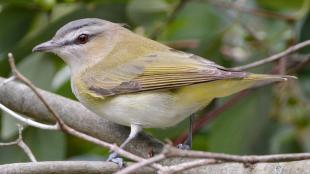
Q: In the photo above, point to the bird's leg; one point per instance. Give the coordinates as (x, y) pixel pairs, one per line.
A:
(189, 138)
(187, 145)
(134, 130)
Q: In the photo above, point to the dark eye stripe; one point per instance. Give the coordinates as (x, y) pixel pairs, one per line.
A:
(73, 41)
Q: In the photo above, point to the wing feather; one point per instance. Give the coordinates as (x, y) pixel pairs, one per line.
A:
(157, 71)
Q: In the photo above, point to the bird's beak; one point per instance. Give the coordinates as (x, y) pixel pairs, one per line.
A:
(45, 46)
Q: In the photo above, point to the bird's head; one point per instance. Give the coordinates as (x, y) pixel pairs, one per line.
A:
(81, 41)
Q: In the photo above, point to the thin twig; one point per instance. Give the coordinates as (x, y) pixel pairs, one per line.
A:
(65, 167)
(28, 121)
(274, 57)
(21, 118)
(186, 166)
(12, 78)
(209, 158)
(253, 11)
(67, 128)
(141, 164)
(27, 150)
(23, 79)
(166, 169)
(205, 119)
(9, 143)
(300, 62)
(174, 152)
(244, 25)
(20, 142)
(23, 145)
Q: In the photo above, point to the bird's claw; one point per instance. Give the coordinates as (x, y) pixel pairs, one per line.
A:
(113, 157)
(184, 146)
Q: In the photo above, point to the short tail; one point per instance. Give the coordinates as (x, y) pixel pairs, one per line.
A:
(263, 79)
(269, 78)
(221, 88)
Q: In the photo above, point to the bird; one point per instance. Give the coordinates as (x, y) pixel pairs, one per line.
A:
(134, 81)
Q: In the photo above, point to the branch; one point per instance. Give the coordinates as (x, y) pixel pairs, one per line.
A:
(200, 122)
(7, 81)
(172, 152)
(64, 127)
(186, 166)
(23, 79)
(167, 169)
(298, 62)
(97, 167)
(20, 143)
(141, 164)
(13, 95)
(68, 167)
(274, 57)
(205, 158)
(175, 152)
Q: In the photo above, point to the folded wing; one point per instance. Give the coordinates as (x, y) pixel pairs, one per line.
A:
(157, 71)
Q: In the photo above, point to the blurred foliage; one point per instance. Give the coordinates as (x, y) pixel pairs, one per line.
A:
(268, 120)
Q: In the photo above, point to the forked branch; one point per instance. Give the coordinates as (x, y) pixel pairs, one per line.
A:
(20, 143)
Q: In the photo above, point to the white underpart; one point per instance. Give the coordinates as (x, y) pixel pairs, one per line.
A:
(149, 109)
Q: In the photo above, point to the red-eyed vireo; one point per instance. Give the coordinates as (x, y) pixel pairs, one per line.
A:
(134, 81)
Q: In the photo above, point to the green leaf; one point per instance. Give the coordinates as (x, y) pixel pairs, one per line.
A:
(15, 23)
(195, 21)
(143, 12)
(20, 3)
(45, 4)
(199, 21)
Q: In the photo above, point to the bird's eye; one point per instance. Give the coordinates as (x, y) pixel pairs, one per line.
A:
(82, 39)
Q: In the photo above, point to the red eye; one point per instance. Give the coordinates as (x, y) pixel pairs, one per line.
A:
(82, 39)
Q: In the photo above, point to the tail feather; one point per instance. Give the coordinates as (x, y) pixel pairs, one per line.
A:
(204, 92)
(263, 79)
(269, 78)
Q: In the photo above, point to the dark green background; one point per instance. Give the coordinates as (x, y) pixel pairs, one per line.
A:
(272, 119)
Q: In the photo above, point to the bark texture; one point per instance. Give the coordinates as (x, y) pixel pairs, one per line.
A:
(21, 99)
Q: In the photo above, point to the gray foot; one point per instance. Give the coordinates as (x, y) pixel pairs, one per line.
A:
(113, 157)
(184, 146)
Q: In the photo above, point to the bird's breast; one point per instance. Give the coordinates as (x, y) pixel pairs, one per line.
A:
(152, 109)
(156, 109)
